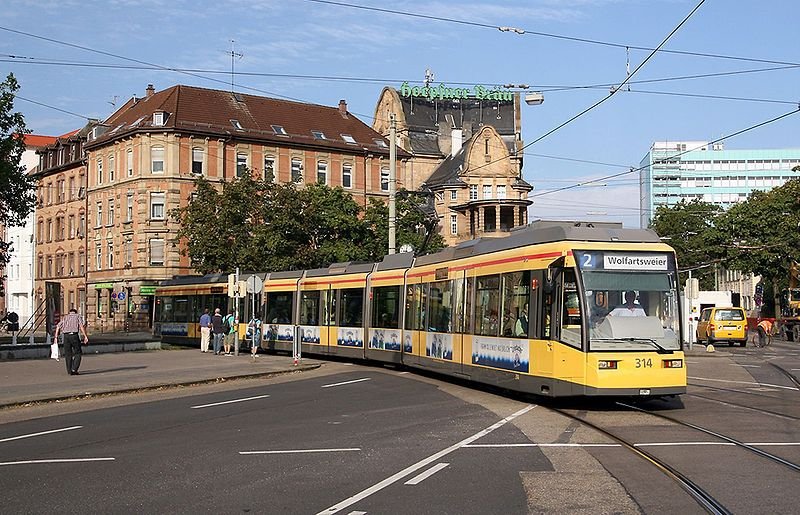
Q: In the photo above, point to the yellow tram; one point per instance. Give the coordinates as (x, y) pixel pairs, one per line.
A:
(554, 309)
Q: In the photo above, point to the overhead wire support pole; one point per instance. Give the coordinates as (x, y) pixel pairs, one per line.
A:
(234, 55)
(392, 183)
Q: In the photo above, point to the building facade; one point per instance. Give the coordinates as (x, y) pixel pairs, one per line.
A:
(19, 281)
(465, 150)
(686, 170)
(144, 160)
(60, 221)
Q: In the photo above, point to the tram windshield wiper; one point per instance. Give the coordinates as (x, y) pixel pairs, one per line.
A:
(661, 350)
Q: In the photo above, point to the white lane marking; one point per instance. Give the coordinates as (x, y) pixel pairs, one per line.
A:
(299, 451)
(494, 445)
(31, 435)
(406, 372)
(425, 475)
(745, 366)
(746, 382)
(357, 513)
(346, 382)
(230, 402)
(35, 462)
(678, 444)
(422, 463)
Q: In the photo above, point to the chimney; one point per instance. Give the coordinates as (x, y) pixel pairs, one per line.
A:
(342, 107)
(455, 145)
(150, 90)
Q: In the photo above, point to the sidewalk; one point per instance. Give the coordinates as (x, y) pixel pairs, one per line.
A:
(43, 380)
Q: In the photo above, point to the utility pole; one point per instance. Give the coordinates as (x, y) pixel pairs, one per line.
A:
(236, 314)
(234, 55)
(392, 182)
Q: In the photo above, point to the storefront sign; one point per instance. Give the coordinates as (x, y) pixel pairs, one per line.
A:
(103, 286)
(147, 290)
(442, 92)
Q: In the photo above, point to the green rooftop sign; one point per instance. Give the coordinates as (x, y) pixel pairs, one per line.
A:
(442, 92)
(147, 290)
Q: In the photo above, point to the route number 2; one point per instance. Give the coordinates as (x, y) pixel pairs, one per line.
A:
(644, 363)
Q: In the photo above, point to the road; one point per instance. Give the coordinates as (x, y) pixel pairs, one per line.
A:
(367, 440)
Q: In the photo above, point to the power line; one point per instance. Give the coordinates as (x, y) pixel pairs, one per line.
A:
(522, 31)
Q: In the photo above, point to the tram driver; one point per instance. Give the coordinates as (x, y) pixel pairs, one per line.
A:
(630, 309)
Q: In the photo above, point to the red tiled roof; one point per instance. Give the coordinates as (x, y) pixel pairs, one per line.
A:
(198, 110)
(37, 141)
(68, 134)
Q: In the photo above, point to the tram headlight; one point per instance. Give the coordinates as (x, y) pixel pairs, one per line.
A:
(605, 364)
(673, 363)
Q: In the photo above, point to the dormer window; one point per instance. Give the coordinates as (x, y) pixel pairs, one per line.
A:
(318, 134)
(380, 142)
(349, 139)
(279, 130)
(237, 125)
(159, 117)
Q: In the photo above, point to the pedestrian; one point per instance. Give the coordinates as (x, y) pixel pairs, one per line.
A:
(216, 328)
(229, 327)
(254, 328)
(71, 325)
(521, 327)
(205, 330)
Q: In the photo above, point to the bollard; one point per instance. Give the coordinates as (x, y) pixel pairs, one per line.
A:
(14, 338)
(30, 339)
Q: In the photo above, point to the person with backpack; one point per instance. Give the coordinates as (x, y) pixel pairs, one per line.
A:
(229, 328)
(254, 330)
(219, 333)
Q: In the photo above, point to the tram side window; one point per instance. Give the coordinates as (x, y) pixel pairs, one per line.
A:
(571, 310)
(166, 309)
(487, 305)
(468, 295)
(351, 307)
(414, 304)
(328, 300)
(516, 292)
(182, 309)
(386, 307)
(440, 306)
(279, 307)
(309, 307)
(457, 325)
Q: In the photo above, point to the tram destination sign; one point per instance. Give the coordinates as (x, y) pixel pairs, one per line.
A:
(621, 261)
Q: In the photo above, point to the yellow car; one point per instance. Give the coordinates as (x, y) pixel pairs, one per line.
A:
(722, 325)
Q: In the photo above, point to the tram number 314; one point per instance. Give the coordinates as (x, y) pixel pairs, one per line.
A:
(644, 363)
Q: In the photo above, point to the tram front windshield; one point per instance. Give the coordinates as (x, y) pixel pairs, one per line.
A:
(632, 310)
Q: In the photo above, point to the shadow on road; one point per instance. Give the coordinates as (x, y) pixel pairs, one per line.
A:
(107, 370)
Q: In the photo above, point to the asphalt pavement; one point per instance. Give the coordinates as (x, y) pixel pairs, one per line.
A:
(46, 380)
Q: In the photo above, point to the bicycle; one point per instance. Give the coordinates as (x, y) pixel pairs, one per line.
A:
(762, 338)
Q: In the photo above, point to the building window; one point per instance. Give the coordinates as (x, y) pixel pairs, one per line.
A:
(61, 191)
(157, 201)
(322, 172)
(71, 226)
(269, 168)
(72, 191)
(99, 257)
(297, 171)
(40, 231)
(110, 255)
(128, 252)
(82, 225)
(384, 179)
(129, 207)
(81, 263)
(100, 171)
(487, 191)
(111, 168)
(241, 164)
(156, 251)
(318, 134)
(129, 162)
(453, 224)
(99, 220)
(197, 161)
(49, 230)
(157, 159)
(347, 176)
(501, 191)
(453, 194)
(111, 212)
(473, 192)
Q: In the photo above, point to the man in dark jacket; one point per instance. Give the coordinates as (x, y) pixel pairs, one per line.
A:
(216, 328)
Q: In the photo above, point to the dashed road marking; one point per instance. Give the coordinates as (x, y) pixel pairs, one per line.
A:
(31, 435)
(346, 382)
(230, 401)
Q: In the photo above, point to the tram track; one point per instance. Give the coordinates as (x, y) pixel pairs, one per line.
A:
(695, 491)
(744, 406)
(791, 377)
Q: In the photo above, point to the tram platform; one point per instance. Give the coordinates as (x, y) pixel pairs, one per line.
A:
(29, 381)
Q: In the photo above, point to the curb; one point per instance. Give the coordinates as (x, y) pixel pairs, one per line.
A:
(163, 386)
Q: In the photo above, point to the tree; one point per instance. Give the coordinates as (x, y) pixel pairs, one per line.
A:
(17, 195)
(688, 228)
(412, 225)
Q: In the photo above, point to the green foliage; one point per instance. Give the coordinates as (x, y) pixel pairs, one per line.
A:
(412, 227)
(17, 194)
(689, 228)
(259, 225)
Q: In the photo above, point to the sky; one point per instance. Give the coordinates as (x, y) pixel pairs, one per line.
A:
(79, 59)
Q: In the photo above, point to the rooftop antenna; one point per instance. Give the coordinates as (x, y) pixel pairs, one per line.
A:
(234, 54)
(428, 77)
(113, 101)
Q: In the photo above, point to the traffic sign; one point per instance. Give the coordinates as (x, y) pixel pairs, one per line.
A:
(121, 295)
(254, 284)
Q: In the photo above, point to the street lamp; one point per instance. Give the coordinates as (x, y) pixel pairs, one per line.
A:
(534, 98)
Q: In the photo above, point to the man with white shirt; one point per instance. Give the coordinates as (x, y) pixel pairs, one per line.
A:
(630, 308)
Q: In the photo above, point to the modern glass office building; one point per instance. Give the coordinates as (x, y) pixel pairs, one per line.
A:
(686, 170)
